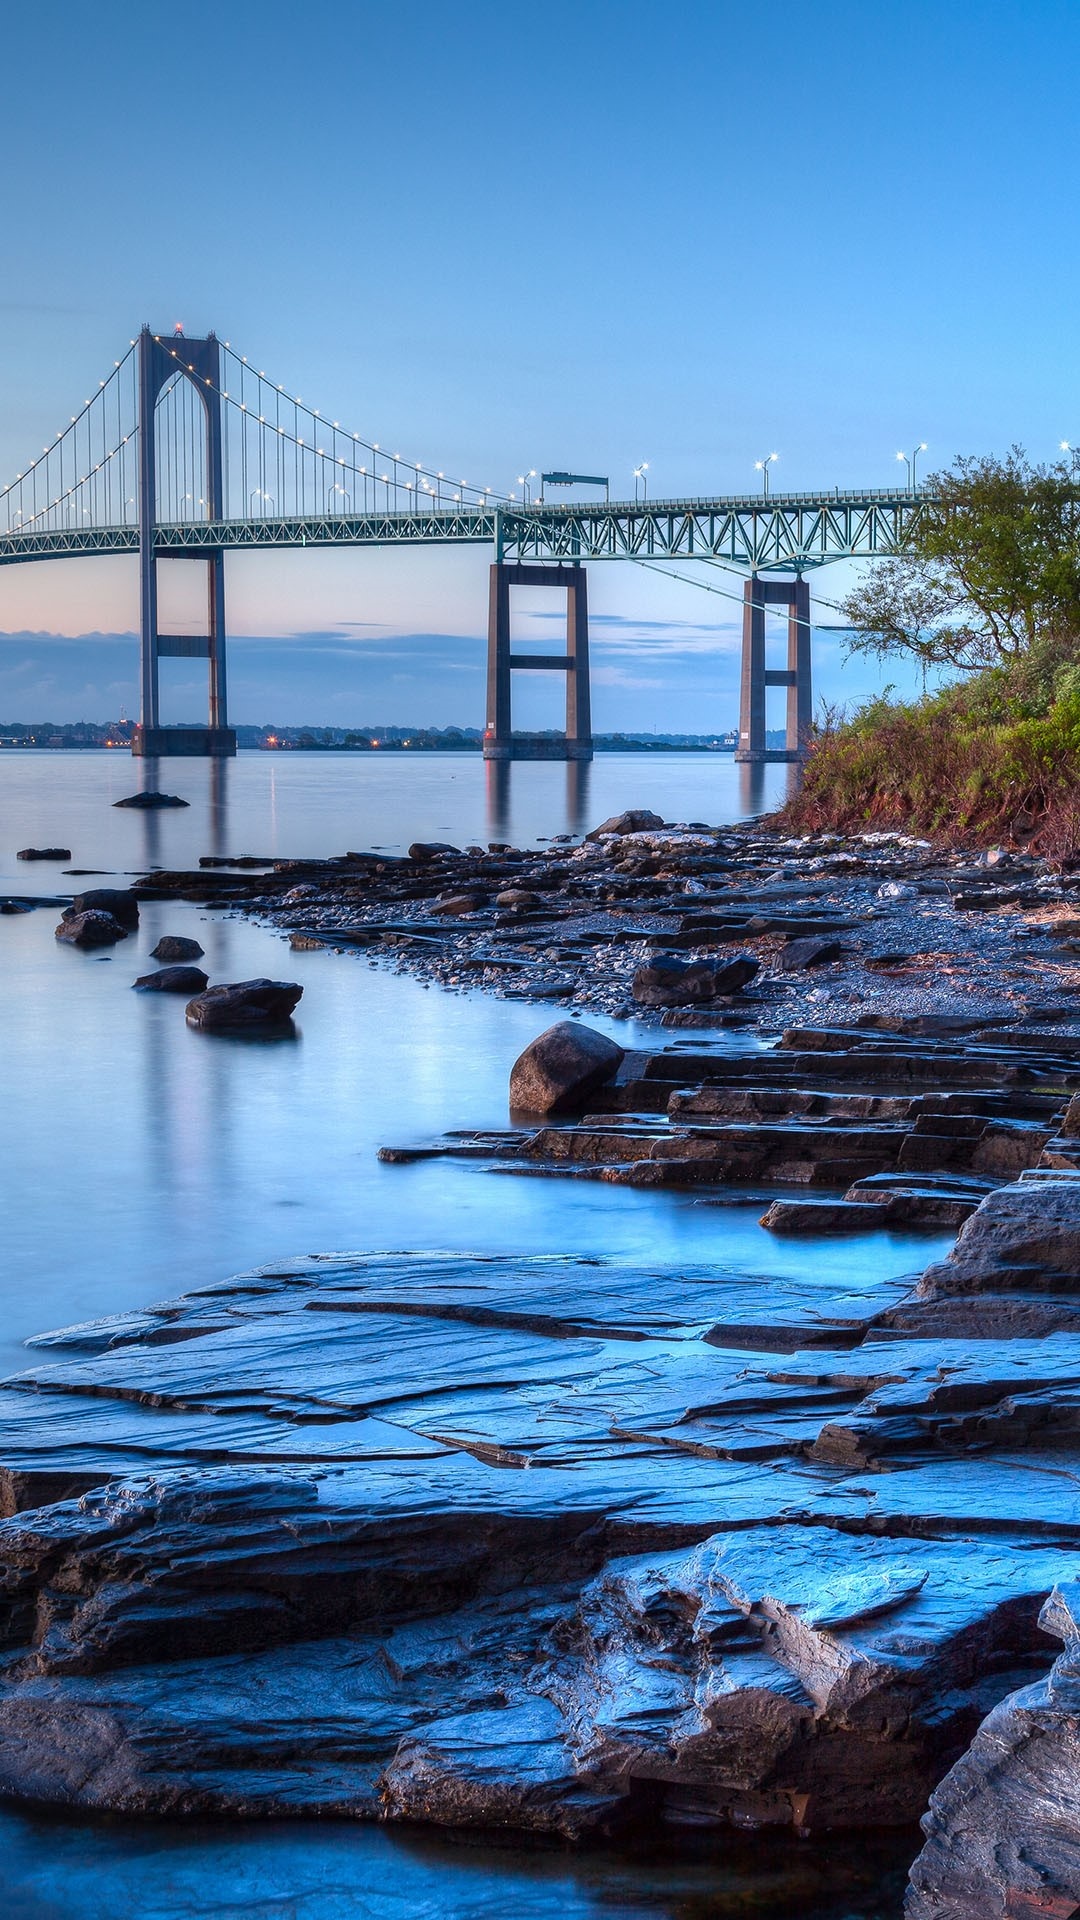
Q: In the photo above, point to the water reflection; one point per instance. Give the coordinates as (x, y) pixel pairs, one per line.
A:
(497, 795)
(336, 1870)
(577, 795)
(215, 773)
(752, 786)
(218, 809)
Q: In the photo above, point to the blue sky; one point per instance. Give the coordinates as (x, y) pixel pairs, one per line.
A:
(588, 234)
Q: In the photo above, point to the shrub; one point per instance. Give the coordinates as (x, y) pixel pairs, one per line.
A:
(994, 759)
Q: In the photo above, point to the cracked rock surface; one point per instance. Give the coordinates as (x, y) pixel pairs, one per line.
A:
(549, 1544)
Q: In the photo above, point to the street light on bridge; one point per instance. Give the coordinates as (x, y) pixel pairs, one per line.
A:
(523, 482)
(762, 467)
(639, 474)
(912, 463)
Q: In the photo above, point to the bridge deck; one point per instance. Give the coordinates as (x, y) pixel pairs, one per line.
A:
(787, 530)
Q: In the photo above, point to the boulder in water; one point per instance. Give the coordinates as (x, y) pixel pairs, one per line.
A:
(244, 1006)
(115, 900)
(174, 980)
(176, 946)
(561, 1067)
(44, 853)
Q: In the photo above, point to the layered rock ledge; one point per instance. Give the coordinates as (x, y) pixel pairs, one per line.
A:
(559, 1545)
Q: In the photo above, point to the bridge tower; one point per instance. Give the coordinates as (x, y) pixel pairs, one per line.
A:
(199, 362)
(500, 742)
(758, 594)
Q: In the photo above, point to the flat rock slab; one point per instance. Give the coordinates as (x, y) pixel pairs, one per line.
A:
(775, 1556)
(270, 1548)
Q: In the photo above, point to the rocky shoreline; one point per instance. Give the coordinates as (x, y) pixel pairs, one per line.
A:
(569, 1547)
(837, 927)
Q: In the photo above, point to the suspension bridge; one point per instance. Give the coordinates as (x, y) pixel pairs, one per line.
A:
(186, 451)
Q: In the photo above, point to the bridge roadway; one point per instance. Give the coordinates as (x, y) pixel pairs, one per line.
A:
(785, 532)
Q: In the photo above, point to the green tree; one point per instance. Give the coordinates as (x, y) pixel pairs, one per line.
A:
(992, 569)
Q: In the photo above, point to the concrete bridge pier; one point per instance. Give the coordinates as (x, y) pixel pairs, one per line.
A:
(199, 362)
(758, 595)
(500, 741)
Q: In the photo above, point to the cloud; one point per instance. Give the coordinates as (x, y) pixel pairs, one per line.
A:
(615, 677)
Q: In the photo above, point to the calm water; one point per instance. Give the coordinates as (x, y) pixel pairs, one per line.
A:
(140, 1158)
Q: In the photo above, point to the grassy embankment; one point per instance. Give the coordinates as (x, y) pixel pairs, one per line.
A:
(992, 760)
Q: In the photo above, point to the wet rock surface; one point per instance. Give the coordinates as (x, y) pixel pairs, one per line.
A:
(774, 1562)
(896, 1127)
(44, 853)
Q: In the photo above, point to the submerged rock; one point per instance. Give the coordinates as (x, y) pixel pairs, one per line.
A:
(244, 1005)
(152, 800)
(560, 1068)
(176, 946)
(93, 928)
(174, 980)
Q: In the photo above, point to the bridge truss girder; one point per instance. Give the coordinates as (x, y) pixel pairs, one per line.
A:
(789, 532)
(786, 532)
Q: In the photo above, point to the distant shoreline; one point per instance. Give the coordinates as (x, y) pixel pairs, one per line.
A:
(600, 745)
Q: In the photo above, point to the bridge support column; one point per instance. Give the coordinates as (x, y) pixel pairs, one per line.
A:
(758, 595)
(199, 362)
(500, 741)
